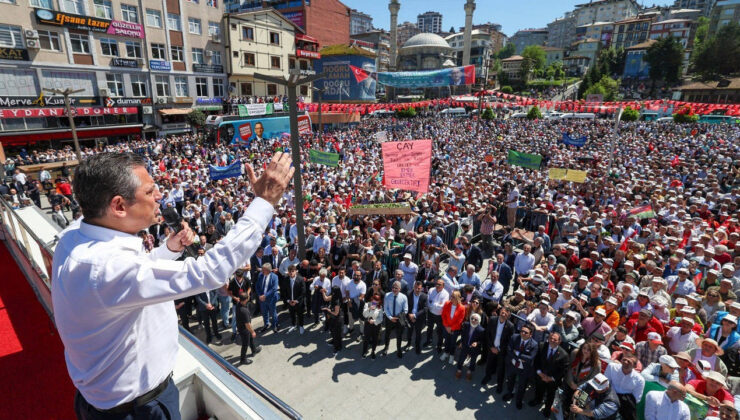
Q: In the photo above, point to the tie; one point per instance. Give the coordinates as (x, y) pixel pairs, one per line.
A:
(498, 269)
(549, 354)
(292, 283)
(521, 346)
(377, 273)
(394, 305)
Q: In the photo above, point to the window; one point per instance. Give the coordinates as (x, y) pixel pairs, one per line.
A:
(133, 49)
(158, 52)
(72, 6)
(197, 55)
(42, 4)
(80, 43)
(130, 13)
(176, 53)
(274, 38)
(173, 22)
(181, 86)
(248, 59)
(216, 58)
(49, 41)
(271, 89)
(153, 18)
(246, 89)
(212, 3)
(247, 33)
(194, 26)
(304, 90)
(109, 47)
(214, 28)
(162, 85)
(138, 85)
(115, 83)
(291, 63)
(10, 36)
(201, 86)
(274, 62)
(303, 64)
(103, 9)
(218, 88)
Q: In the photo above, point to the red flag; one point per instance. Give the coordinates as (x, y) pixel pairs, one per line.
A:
(359, 73)
(161, 166)
(675, 161)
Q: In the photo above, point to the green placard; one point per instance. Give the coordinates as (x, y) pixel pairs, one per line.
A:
(242, 110)
(324, 158)
(525, 160)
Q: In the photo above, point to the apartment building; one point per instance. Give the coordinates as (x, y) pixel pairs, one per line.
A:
(137, 66)
(561, 32)
(724, 12)
(631, 32)
(604, 11)
(359, 22)
(377, 41)
(429, 22)
(265, 42)
(480, 50)
(525, 37)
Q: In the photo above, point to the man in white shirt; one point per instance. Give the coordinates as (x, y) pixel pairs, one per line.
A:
(450, 280)
(114, 304)
(524, 262)
(628, 384)
(512, 202)
(668, 404)
(491, 289)
(409, 271)
(437, 298)
(682, 337)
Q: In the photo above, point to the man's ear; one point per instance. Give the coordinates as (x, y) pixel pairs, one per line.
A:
(118, 207)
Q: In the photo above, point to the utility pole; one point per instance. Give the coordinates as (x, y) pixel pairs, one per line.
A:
(320, 91)
(68, 110)
(291, 84)
(614, 139)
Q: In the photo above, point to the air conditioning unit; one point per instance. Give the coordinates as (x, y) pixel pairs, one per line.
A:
(209, 53)
(32, 44)
(162, 100)
(103, 92)
(31, 34)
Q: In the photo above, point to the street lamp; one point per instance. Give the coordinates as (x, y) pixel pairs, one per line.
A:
(291, 84)
(68, 108)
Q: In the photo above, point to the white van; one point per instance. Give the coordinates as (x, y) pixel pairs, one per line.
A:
(382, 113)
(578, 116)
(453, 112)
(553, 115)
(519, 115)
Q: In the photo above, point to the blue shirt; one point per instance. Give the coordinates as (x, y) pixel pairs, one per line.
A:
(401, 304)
(474, 279)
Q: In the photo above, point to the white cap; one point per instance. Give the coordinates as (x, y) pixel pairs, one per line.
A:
(599, 382)
(600, 311)
(668, 360)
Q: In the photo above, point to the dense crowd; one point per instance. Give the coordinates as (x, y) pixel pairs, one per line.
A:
(602, 296)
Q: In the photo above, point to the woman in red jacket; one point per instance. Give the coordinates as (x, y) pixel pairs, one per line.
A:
(453, 315)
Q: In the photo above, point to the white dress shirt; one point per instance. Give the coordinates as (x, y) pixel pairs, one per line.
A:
(491, 291)
(499, 332)
(114, 303)
(633, 383)
(437, 301)
(659, 407)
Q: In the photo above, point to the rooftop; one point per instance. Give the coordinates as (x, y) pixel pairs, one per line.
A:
(643, 45)
(734, 83)
(426, 39)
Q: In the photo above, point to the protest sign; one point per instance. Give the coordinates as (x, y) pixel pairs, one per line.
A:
(406, 164)
(488, 158)
(381, 136)
(323, 158)
(304, 124)
(222, 172)
(557, 173)
(567, 174)
(380, 208)
(571, 141)
(525, 160)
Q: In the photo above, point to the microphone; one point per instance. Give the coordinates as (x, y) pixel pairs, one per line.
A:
(174, 221)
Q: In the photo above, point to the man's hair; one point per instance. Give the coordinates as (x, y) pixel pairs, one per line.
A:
(103, 176)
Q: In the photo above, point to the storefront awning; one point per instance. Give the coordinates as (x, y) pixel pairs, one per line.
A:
(175, 111)
(301, 37)
(29, 137)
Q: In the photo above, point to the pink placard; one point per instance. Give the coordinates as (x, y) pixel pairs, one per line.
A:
(406, 165)
(129, 29)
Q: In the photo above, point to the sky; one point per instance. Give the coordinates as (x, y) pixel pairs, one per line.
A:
(512, 14)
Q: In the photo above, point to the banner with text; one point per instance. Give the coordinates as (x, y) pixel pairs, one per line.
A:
(525, 160)
(464, 75)
(323, 158)
(571, 141)
(256, 109)
(221, 172)
(406, 165)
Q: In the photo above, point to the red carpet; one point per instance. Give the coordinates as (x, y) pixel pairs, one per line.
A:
(33, 377)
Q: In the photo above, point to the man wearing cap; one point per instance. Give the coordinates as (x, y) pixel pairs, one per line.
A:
(410, 270)
(650, 350)
(668, 404)
(725, 291)
(665, 371)
(642, 323)
(542, 319)
(682, 337)
(602, 401)
(596, 323)
(627, 383)
(610, 308)
(681, 285)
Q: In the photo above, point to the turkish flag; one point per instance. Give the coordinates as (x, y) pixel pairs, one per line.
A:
(359, 73)
(675, 161)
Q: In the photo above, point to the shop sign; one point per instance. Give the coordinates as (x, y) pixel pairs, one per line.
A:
(123, 28)
(60, 112)
(208, 101)
(131, 63)
(111, 102)
(160, 65)
(182, 100)
(85, 23)
(307, 54)
(208, 68)
(18, 54)
(42, 101)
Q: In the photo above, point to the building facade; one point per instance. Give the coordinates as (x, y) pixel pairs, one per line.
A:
(139, 67)
(681, 29)
(405, 31)
(525, 37)
(705, 6)
(561, 32)
(724, 12)
(631, 32)
(480, 49)
(604, 11)
(377, 41)
(512, 67)
(553, 54)
(603, 31)
(359, 22)
(429, 22)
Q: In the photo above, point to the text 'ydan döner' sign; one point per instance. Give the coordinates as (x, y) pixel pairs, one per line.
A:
(406, 165)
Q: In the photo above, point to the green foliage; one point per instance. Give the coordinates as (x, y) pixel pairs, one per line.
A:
(196, 118)
(611, 60)
(606, 86)
(719, 55)
(700, 36)
(507, 89)
(534, 60)
(630, 114)
(685, 114)
(534, 113)
(487, 114)
(665, 58)
(506, 52)
(406, 113)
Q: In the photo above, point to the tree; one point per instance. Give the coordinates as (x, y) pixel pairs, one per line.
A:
(665, 58)
(719, 55)
(506, 52)
(406, 113)
(606, 86)
(507, 89)
(611, 61)
(534, 113)
(702, 30)
(630, 114)
(196, 118)
(487, 114)
(685, 114)
(534, 60)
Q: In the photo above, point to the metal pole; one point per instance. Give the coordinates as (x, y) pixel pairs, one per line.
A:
(480, 105)
(68, 107)
(296, 154)
(614, 139)
(321, 128)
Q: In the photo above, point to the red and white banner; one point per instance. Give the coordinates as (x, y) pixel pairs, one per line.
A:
(60, 112)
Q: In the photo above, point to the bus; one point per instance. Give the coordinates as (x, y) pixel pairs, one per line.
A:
(718, 119)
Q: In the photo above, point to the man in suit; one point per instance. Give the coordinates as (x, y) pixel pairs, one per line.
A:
(471, 343)
(498, 334)
(59, 218)
(417, 316)
(295, 297)
(208, 311)
(473, 255)
(255, 262)
(504, 272)
(550, 365)
(395, 306)
(427, 275)
(377, 274)
(268, 295)
(520, 364)
(198, 223)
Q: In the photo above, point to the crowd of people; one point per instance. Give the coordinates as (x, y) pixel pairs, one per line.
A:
(591, 294)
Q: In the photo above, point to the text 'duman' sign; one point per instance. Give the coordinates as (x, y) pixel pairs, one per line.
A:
(406, 165)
